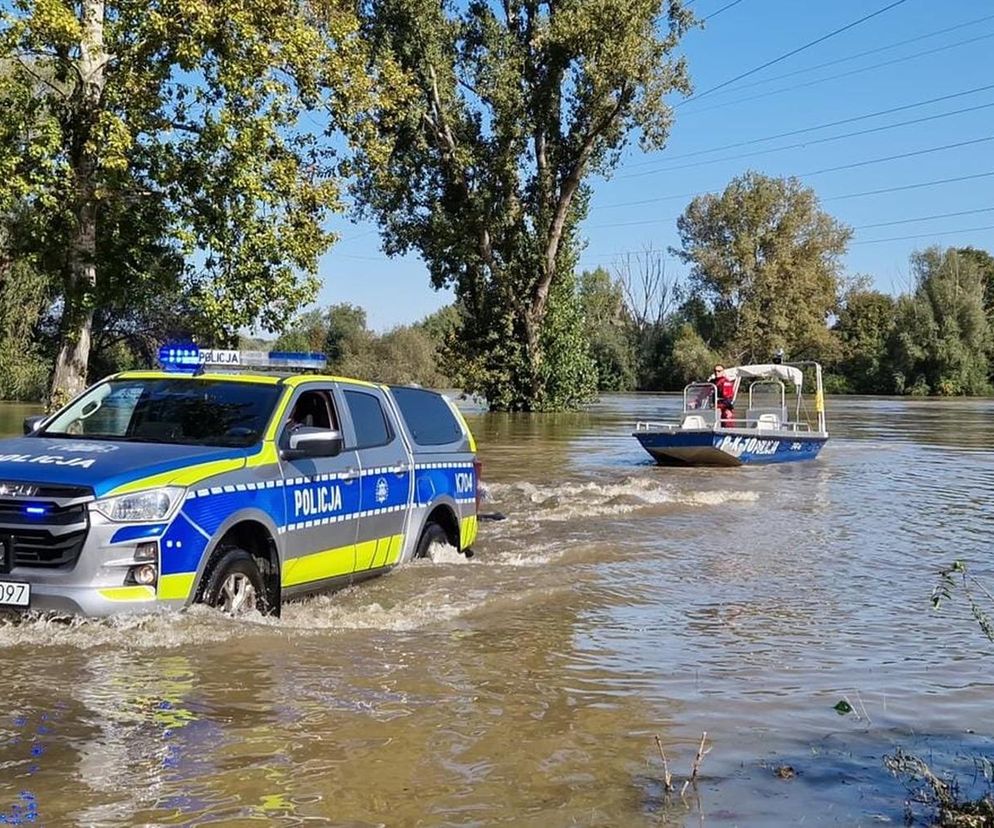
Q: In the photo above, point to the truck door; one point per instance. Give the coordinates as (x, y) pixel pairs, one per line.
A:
(322, 496)
(386, 478)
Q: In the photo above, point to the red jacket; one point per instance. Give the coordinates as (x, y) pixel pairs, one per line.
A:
(726, 388)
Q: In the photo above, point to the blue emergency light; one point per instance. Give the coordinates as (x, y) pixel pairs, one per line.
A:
(190, 358)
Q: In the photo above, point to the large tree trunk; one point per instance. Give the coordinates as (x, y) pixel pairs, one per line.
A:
(69, 377)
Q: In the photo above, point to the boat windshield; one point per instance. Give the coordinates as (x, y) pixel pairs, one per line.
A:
(698, 396)
(178, 411)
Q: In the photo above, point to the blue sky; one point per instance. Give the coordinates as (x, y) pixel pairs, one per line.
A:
(745, 35)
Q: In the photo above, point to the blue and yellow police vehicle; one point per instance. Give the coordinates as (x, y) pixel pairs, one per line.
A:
(218, 481)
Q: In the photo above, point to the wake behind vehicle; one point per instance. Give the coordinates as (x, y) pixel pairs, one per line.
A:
(768, 429)
(162, 488)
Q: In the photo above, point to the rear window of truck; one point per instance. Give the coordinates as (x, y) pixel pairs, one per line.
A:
(428, 416)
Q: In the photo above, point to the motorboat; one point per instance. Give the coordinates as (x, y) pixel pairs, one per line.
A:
(759, 426)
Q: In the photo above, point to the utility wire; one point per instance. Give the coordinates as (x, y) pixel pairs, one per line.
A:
(859, 227)
(857, 55)
(924, 235)
(792, 52)
(726, 7)
(820, 172)
(881, 191)
(850, 73)
(912, 154)
(811, 142)
(851, 120)
(927, 235)
(910, 186)
(925, 218)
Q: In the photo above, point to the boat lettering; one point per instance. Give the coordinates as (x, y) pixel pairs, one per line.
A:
(737, 446)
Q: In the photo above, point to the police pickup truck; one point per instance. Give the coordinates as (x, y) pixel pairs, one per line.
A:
(235, 489)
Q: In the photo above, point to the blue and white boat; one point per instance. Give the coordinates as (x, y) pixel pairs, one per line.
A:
(762, 427)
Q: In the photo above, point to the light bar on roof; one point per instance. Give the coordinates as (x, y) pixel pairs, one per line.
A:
(191, 358)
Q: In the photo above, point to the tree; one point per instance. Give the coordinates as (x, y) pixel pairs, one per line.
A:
(863, 327)
(691, 357)
(175, 125)
(605, 325)
(942, 339)
(650, 299)
(484, 173)
(765, 263)
(984, 261)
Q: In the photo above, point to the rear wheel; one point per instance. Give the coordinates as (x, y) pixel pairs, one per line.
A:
(432, 534)
(235, 585)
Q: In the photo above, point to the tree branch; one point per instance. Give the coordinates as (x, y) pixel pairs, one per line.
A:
(27, 68)
(566, 193)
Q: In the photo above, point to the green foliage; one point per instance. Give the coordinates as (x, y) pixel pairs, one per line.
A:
(187, 155)
(942, 341)
(692, 359)
(864, 327)
(484, 172)
(765, 267)
(606, 324)
(957, 576)
(406, 354)
(24, 368)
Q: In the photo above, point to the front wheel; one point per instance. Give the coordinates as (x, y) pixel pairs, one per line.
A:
(235, 585)
(432, 534)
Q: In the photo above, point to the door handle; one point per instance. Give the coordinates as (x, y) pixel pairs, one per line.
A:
(399, 470)
(351, 473)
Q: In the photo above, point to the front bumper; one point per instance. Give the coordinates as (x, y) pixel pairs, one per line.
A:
(96, 582)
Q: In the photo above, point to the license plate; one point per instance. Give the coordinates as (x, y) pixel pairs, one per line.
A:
(14, 594)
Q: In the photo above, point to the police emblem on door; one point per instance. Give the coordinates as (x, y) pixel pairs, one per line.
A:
(382, 490)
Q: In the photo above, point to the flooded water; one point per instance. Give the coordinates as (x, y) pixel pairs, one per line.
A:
(618, 601)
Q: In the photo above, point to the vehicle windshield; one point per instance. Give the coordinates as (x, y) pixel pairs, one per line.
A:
(181, 411)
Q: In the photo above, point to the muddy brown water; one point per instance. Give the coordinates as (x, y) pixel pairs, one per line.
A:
(617, 601)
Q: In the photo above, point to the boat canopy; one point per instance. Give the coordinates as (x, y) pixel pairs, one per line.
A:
(784, 372)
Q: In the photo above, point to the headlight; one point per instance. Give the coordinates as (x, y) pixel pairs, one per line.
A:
(153, 504)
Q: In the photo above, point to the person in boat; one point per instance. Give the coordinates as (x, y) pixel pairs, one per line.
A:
(726, 395)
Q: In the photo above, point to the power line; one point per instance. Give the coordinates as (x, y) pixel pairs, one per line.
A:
(880, 191)
(822, 171)
(810, 143)
(853, 119)
(898, 156)
(925, 218)
(726, 7)
(850, 73)
(792, 52)
(927, 235)
(858, 227)
(857, 55)
(910, 186)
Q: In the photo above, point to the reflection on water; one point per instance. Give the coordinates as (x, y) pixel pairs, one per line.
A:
(617, 601)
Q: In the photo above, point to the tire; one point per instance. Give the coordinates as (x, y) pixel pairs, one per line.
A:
(433, 533)
(234, 584)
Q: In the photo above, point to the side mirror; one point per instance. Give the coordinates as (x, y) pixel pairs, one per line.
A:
(31, 423)
(314, 442)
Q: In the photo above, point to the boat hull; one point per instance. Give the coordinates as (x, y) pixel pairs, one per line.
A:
(732, 447)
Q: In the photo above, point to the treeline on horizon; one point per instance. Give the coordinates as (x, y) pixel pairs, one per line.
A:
(645, 331)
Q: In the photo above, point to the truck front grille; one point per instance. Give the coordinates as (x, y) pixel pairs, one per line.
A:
(38, 548)
(53, 538)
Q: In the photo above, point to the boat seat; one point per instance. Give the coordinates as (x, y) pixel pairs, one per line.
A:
(693, 422)
(767, 422)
